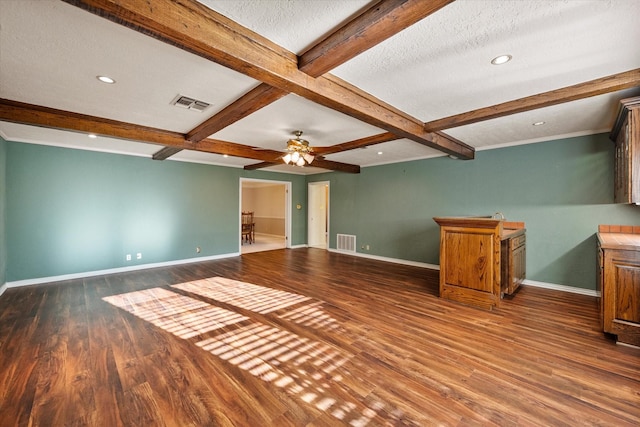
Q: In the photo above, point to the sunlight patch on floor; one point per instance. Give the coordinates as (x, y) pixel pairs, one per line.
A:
(299, 365)
(252, 297)
(180, 315)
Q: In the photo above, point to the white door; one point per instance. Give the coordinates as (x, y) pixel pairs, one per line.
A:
(318, 221)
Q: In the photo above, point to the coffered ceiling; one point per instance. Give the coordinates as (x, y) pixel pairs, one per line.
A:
(368, 82)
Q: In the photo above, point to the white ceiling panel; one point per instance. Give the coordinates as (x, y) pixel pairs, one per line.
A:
(273, 125)
(52, 53)
(442, 65)
(294, 25)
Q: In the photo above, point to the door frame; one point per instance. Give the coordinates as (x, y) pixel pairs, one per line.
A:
(310, 211)
(287, 208)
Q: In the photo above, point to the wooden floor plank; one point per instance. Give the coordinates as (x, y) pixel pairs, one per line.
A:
(304, 337)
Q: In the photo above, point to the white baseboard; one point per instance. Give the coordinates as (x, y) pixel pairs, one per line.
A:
(386, 259)
(51, 279)
(563, 288)
(533, 283)
(41, 280)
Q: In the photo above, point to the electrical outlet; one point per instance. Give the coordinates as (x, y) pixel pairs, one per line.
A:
(139, 255)
(367, 247)
(198, 249)
(128, 257)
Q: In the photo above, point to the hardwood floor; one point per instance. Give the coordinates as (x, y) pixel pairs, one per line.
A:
(304, 337)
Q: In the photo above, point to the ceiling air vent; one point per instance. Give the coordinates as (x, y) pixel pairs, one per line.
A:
(189, 103)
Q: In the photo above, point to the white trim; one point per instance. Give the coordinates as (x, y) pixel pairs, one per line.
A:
(312, 211)
(41, 280)
(287, 206)
(544, 139)
(499, 146)
(562, 288)
(50, 279)
(532, 283)
(386, 259)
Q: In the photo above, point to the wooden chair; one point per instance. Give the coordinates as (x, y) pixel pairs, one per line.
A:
(247, 230)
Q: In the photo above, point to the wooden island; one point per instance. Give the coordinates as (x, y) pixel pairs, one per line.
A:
(481, 259)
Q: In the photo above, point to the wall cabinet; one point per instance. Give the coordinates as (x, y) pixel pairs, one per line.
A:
(626, 135)
(619, 285)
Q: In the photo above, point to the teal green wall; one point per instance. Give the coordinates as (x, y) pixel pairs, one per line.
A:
(3, 203)
(72, 211)
(561, 189)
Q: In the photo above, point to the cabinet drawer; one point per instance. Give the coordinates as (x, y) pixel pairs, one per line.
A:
(518, 241)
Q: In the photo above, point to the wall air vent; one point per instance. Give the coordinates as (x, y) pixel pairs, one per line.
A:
(346, 242)
(189, 103)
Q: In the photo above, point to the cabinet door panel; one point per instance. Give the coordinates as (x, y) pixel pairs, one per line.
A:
(519, 264)
(628, 293)
(469, 260)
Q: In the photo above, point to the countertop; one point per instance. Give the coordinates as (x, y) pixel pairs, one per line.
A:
(624, 241)
(508, 229)
(510, 233)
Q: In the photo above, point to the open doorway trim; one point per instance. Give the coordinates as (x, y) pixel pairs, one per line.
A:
(287, 208)
(313, 212)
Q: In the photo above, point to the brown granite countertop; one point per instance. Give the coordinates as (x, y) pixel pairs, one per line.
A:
(624, 241)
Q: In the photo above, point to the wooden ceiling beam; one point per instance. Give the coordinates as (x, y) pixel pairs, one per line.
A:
(358, 143)
(376, 24)
(319, 163)
(612, 83)
(373, 26)
(195, 28)
(438, 141)
(36, 115)
(165, 153)
(252, 101)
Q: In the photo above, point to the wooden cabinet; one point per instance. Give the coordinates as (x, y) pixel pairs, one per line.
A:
(477, 256)
(626, 135)
(514, 261)
(619, 283)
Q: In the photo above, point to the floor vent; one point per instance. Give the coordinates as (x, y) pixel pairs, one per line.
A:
(346, 242)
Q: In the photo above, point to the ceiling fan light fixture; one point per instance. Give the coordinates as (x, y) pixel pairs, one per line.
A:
(308, 157)
(298, 151)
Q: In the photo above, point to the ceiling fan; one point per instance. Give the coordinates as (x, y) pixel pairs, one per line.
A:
(299, 152)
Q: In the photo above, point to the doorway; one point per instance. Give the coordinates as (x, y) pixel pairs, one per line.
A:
(318, 221)
(270, 202)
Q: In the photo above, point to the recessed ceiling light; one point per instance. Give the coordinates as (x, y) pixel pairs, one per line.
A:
(502, 59)
(538, 123)
(379, 153)
(225, 155)
(92, 136)
(106, 79)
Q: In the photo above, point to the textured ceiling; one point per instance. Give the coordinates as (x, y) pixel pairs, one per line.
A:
(51, 53)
